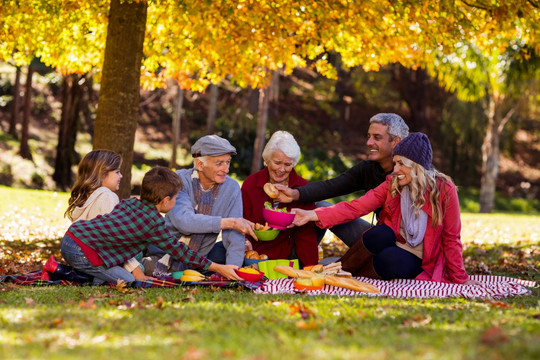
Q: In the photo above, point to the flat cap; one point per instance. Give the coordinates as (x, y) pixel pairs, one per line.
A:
(212, 145)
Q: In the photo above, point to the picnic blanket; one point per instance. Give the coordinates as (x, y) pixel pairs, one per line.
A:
(34, 279)
(492, 287)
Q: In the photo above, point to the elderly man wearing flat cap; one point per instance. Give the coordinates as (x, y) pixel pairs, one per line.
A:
(209, 203)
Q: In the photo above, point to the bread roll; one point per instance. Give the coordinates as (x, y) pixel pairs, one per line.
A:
(351, 284)
(263, 257)
(271, 190)
(252, 254)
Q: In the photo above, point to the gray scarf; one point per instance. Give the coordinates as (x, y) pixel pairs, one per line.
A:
(413, 226)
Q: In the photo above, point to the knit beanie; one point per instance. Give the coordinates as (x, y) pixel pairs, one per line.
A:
(415, 147)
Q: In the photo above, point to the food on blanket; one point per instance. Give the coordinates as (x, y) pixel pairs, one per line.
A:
(249, 274)
(192, 275)
(351, 284)
(332, 268)
(271, 190)
(315, 283)
(251, 254)
(318, 281)
(249, 270)
(263, 257)
(344, 274)
(192, 272)
(295, 273)
(316, 268)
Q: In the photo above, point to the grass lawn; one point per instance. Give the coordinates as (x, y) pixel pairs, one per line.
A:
(206, 323)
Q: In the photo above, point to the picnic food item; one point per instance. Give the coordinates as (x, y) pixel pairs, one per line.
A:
(315, 283)
(351, 284)
(344, 282)
(251, 254)
(261, 227)
(316, 268)
(192, 275)
(249, 274)
(271, 190)
(295, 273)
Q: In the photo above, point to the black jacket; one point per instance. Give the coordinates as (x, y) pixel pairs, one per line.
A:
(365, 175)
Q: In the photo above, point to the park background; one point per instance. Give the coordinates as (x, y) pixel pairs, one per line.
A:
(465, 73)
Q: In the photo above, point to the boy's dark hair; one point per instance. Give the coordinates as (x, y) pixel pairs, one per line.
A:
(158, 183)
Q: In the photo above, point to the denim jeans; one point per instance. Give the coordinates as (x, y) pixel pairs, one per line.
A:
(72, 253)
(218, 254)
(348, 232)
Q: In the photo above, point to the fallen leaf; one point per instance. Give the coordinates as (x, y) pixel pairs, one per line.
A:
(159, 302)
(56, 322)
(306, 325)
(121, 286)
(89, 304)
(30, 301)
(498, 304)
(494, 335)
(194, 354)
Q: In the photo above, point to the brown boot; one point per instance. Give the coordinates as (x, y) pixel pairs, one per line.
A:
(368, 271)
(356, 257)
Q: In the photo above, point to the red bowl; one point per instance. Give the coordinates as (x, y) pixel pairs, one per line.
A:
(249, 276)
(276, 219)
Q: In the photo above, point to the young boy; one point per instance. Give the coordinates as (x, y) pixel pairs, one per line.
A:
(100, 246)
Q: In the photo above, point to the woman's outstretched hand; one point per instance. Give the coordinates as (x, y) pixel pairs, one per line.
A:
(302, 217)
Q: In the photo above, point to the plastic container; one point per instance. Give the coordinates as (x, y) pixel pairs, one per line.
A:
(277, 219)
(266, 235)
(250, 276)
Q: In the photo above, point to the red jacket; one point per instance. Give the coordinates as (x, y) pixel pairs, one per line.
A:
(305, 238)
(443, 254)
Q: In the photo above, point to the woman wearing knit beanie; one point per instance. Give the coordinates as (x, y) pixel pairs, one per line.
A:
(418, 233)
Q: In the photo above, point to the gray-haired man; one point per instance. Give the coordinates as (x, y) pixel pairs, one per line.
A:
(210, 202)
(386, 130)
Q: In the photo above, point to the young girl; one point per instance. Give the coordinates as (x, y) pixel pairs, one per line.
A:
(97, 179)
(92, 195)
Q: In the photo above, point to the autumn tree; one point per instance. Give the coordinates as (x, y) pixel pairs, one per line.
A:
(118, 107)
(199, 42)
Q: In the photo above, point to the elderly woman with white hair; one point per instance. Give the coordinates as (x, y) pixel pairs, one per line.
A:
(280, 155)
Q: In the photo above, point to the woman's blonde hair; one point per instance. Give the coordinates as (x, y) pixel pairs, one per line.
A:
(92, 170)
(422, 181)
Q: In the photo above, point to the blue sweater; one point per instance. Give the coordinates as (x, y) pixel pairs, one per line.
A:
(183, 221)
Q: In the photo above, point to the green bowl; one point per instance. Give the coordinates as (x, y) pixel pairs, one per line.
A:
(266, 235)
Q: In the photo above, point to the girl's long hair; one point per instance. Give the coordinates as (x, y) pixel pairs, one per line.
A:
(92, 170)
(422, 181)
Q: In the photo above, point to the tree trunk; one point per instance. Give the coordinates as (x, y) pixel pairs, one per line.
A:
(25, 149)
(118, 105)
(212, 110)
(411, 85)
(262, 119)
(490, 158)
(177, 117)
(345, 94)
(67, 131)
(15, 104)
